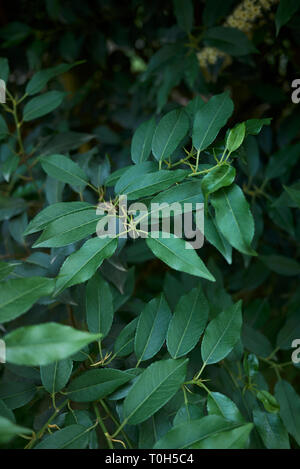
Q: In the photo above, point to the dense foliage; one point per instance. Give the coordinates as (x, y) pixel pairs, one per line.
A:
(135, 340)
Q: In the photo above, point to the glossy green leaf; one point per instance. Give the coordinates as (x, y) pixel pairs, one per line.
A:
(210, 119)
(16, 394)
(289, 402)
(56, 375)
(271, 430)
(73, 227)
(153, 389)
(142, 141)
(71, 437)
(45, 343)
(99, 305)
(64, 169)
(234, 218)
(42, 105)
(152, 328)
(82, 264)
(254, 126)
(18, 295)
(124, 343)
(8, 430)
(219, 404)
(236, 137)
(171, 129)
(219, 177)
(188, 323)
(151, 183)
(55, 212)
(96, 384)
(210, 432)
(124, 177)
(285, 11)
(222, 334)
(269, 401)
(173, 252)
(40, 79)
(215, 237)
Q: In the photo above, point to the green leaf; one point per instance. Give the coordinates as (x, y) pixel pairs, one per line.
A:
(64, 142)
(171, 129)
(3, 129)
(294, 193)
(281, 264)
(173, 252)
(219, 404)
(82, 264)
(255, 341)
(152, 328)
(8, 430)
(230, 40)
(10, 207)
(6, 412)
(55, 212)
(124, 343)
(254, 126)
(185, 193)
(45, 343)
(184, 13)
(64, 169)
(18, 295)
(271, 430)
(71, 437)
(215, 237)
(210, 432)
(289, 402)
(40, 79)
(142, 141)
(5, 269)
(9, 166)
(236, 137)
(269, 401)
(96, 384)
(234, 218)
(210, 119)
(68, 229)
(4, 69)
(289, 332)
(220, 176)
(99, 305)
(42, 105)
(16, 394)
(153, 389)
(222, 334)
(187, 323)
(285, 11)
(282, 161)
(125, 176)
(153, 182)
(56, 375)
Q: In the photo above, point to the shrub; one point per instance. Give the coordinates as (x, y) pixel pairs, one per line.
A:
(139, 339)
